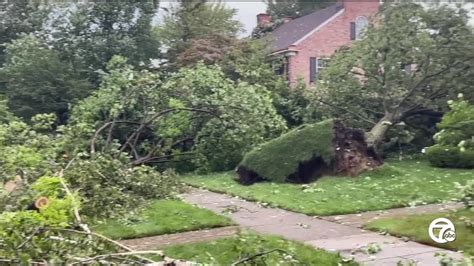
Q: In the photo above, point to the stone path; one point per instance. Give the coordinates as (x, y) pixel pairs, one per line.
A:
(153, 242)
(317, 232)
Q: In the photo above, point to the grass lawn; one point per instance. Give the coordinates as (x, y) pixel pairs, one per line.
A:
(416, 228)
(228, 250)
(163, 217)
(396, 184)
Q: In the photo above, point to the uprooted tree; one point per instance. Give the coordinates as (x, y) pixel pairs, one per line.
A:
(408, 64)
(196, 115)
(307, 153)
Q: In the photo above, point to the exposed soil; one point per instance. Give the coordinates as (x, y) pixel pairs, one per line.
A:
(352, 157)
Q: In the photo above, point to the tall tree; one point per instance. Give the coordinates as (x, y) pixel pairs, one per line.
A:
(17, 17)
(295, 8)
(37, 81)
(407, 65)
(192, 20)
(90, 34)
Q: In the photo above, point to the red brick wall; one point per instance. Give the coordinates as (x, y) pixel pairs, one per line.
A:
(325, 41)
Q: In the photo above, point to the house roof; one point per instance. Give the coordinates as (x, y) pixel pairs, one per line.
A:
(292, 31)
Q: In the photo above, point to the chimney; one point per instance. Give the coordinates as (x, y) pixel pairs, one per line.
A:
(287, 19)
(263, 19)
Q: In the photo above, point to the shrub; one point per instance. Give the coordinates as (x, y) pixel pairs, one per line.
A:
(110, 187)
(277, 159)
(455, 142)
(450, 156)
(25, 150)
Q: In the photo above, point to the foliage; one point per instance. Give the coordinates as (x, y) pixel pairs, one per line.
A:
(5, 114)
(162, 217)
(446, 260)
(194, 20)
(450, 156)
(245, 117)
(414, 227)
(196, 112)
(230, 250)
(395, 184)
(37, 81)
(454, 143)
(289, 150)
(114, 186)
(467, 193)
(293, 103)
(405, 66)
(25, 234)
(208, 49)
(19, 17)
(26, 150)
(88, 34)
(295, 8)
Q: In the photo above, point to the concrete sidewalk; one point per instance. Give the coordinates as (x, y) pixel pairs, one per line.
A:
(160, 241)
(317, 232)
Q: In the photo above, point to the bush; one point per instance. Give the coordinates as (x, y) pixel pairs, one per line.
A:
(25, 150)
(450, 156)
(111, 187)
(454, 143)
(280, 157)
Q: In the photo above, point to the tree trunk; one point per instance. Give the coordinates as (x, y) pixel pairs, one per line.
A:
(376, 135)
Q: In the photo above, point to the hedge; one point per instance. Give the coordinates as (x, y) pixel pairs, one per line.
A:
(277, 159)
(450, 156)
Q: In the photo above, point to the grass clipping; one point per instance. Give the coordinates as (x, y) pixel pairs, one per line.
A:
(308, 152)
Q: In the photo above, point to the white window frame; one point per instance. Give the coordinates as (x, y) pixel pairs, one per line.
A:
(361, 24)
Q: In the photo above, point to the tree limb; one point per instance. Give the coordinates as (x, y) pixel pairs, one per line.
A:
(348, 111)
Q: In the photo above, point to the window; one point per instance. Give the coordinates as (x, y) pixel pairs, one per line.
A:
(316, 65)
(361, 25)
(358, 28)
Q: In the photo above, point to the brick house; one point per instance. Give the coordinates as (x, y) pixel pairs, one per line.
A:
(306, 42)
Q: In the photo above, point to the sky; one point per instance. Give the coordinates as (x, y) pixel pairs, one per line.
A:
(247, 13)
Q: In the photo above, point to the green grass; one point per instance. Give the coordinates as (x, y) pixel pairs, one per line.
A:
(163, 217)
(416, 228)
(290, 149)
(228, 250)
(396, 184)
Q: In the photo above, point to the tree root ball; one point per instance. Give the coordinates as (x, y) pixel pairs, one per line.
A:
(333, 149)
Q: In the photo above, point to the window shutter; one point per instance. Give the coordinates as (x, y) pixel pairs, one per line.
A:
(312, 69)
(353, 31)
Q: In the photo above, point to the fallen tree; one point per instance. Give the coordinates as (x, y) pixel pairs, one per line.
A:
(309, 152)
(409, 63)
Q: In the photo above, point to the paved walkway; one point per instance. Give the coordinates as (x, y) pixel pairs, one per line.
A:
(331, 236)
(153, 242)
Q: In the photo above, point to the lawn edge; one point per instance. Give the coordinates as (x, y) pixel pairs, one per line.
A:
(274, 205)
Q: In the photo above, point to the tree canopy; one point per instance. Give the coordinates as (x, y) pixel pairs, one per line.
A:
(197, 111)
(409, 62)
(37, 81)
(194, 20)
(295, 8)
